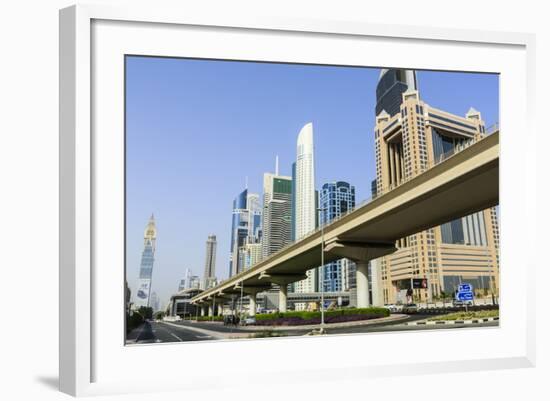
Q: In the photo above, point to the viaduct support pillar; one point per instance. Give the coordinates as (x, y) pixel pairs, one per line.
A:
(252, 305)
(361, 253)
(283, 292)
(362, 284)
(283, 280)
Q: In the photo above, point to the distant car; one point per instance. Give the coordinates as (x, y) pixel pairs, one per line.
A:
(394, 308)
(231, 320)
(410, 308)
(249, 320)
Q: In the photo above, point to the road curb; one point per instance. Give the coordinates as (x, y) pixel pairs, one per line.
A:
(448, 322)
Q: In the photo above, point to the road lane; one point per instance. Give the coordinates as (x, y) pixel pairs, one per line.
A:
(159, 332)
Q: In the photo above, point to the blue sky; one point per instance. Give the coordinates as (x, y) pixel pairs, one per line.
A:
(197, 128)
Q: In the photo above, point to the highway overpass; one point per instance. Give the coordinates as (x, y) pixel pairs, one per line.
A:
(464, 183)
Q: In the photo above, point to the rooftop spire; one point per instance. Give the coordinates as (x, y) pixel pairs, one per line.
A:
(277, 165)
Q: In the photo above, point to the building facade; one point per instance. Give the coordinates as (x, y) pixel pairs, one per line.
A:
(392, 83)
(407, 143)
(209, 277)
(249, 255)
(246, 228)
(143, 293)
(336, 199)
(277, 211)
(305, 213)
(194, 282)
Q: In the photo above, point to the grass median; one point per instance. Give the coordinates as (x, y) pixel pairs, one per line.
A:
(482, 314)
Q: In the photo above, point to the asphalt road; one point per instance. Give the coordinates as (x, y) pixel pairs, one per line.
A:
(156, 332)
(159, 332)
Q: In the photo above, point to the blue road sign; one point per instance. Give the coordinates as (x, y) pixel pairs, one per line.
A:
(465, 296)
(465, 287)
(465, 292)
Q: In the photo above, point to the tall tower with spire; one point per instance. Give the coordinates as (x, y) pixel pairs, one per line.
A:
(146, 266)
(304, 199)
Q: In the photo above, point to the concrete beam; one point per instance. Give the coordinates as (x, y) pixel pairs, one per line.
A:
(359, 251)
(253, 290)
(282, 279)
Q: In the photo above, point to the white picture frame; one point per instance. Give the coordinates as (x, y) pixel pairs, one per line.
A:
(85, 354)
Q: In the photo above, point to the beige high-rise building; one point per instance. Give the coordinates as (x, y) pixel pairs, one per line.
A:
(465, 250)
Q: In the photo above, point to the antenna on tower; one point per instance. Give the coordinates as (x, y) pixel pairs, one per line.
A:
(277, 165)
(246, 182)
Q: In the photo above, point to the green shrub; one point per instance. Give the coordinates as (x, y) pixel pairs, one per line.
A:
(306, 315)
(133, 321)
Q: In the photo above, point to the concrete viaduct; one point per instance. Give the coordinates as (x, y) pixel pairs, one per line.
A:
(464, 183)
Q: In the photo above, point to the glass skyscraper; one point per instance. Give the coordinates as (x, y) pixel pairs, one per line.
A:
(246, 229)
(336, 198)
(305, 211)
(391, 86)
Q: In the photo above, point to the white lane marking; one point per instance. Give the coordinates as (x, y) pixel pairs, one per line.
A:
(173, 335)
(213, 334)
(204, 336)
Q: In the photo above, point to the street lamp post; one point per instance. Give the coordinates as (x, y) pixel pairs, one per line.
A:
(322, 270)
(242, 295)
(213, 307)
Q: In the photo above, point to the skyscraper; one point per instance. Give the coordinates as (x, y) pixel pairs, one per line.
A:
(239, 230)
(337, 198)
(210, 262)
(154, 302)
(277, 211)
(184, 282)
(463, 250)
(249, 255)
(392, 83)
(245, 227)
(194, 282)
(146, 267)
(304, 198)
